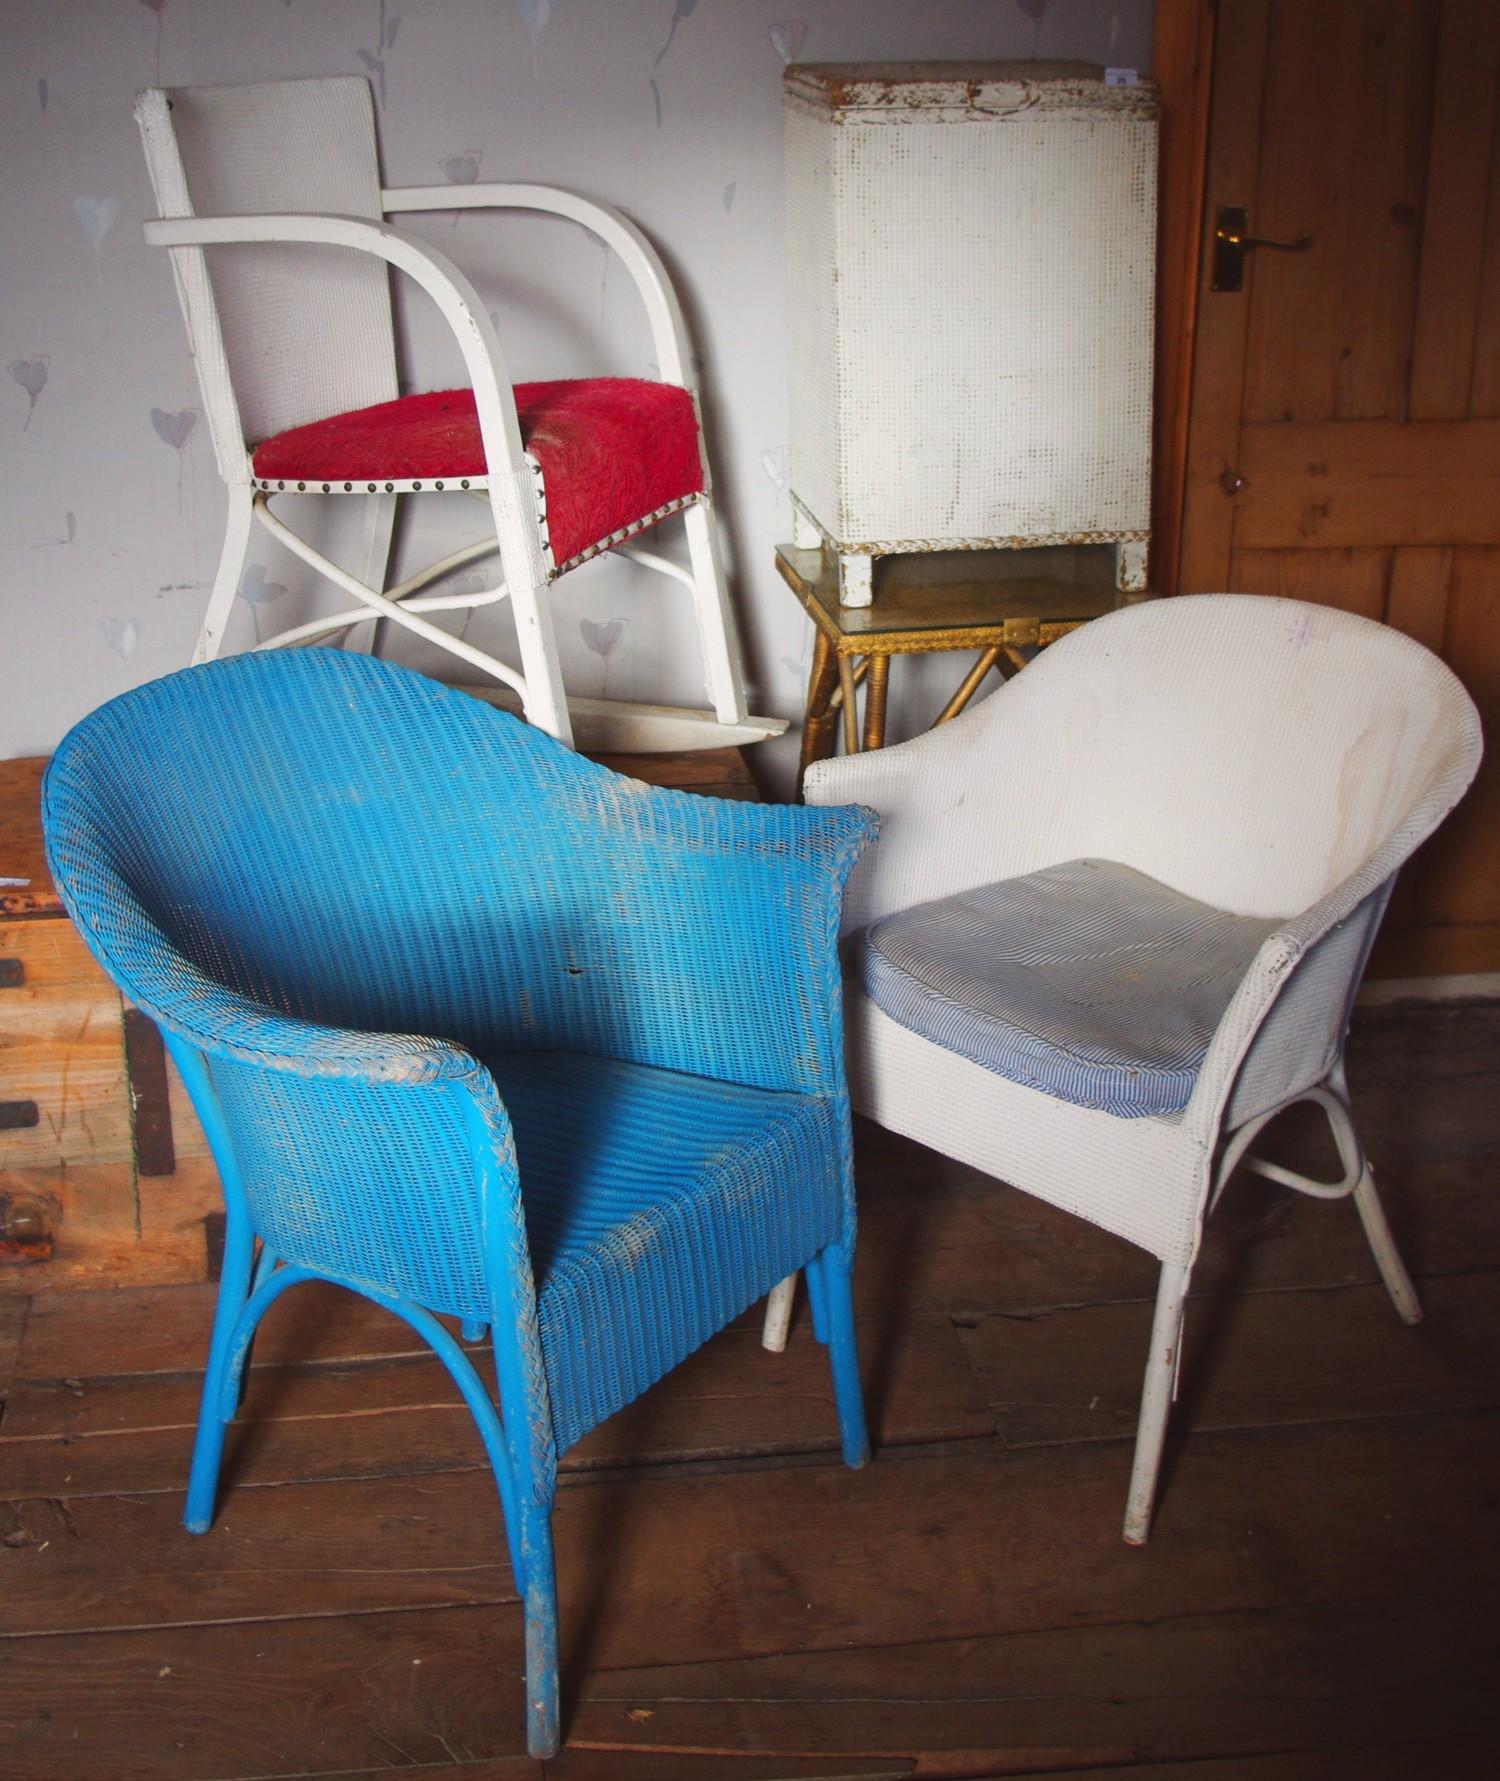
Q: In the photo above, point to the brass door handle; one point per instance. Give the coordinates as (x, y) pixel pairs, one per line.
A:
(1232, 243)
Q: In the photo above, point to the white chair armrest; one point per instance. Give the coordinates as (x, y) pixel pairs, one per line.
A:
(986, 797)
(1272, 970)
(457, 301)
(619, 234)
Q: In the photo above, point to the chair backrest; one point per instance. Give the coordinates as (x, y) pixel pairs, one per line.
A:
(1248, 751)
(281, 334)
(1257, 752)
(345, 841)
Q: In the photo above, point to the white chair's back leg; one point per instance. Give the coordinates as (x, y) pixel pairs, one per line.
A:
(231, 572)
(1157, 1393)
(1367, 1203)
(778, 1323)
(1383, 1247)
(374, 571)
(716, 634)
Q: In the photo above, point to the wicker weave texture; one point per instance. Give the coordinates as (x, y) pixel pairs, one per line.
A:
(658, 1207)
(1272, 759)
(344, 884)
(972, 278)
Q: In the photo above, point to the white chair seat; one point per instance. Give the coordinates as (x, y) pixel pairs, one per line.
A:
(1088, 981)
(1028, 975)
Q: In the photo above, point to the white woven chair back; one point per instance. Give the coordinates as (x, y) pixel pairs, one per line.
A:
(281, 334)
(1249, 751)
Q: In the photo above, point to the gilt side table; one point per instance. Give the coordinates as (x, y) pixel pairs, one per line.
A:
(1006, 604)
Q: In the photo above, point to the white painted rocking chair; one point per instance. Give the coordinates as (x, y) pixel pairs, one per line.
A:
(294, 345)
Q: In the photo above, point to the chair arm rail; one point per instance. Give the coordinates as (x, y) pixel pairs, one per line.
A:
(615, 230)
(457, 301)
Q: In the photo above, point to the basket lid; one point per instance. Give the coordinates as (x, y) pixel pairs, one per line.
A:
(894, 90)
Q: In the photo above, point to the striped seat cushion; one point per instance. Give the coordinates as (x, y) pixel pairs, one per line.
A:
(1087, 981)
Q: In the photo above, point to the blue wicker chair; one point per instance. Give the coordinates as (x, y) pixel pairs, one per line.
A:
(475, 1027)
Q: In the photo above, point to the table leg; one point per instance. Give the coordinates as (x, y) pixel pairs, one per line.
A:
(875, 690)
(851, 714)
(969, 684)
(818, 719)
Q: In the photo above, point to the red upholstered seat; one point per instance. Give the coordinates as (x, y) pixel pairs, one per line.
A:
(616, 453)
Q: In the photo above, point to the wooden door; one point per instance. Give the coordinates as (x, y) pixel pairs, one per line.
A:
(1343, 438)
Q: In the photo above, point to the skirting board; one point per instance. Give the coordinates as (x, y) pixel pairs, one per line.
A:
(1469, 986)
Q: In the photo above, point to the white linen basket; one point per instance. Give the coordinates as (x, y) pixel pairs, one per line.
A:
(971, 258)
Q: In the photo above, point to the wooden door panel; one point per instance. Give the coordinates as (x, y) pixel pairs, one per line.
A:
(1461, 865)
(1453, 230)
(1329, 327)
(1240, 44)
(1325, 483)
(1352, 580)
(1344, 426)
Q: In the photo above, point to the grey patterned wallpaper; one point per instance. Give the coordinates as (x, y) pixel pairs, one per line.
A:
(110, 508)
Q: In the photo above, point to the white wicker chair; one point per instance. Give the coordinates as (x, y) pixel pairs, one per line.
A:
(1273, 761)
(289, 322)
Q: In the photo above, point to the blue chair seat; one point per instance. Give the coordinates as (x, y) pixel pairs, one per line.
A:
(1088, 981)
(658, 1206)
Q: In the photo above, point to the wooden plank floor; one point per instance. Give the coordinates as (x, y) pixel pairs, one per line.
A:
(1318, 1598)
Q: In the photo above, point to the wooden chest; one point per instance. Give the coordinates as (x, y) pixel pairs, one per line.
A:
(105, 1177)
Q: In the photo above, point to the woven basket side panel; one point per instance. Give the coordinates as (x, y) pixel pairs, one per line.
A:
(995, 327)
(307, 330)
(369, 1182)
(989, 285)
(813, 296)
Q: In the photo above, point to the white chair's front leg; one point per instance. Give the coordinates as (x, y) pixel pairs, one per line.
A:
(722, 673)
(545, 697)
(230, 573)
(1157, 1393)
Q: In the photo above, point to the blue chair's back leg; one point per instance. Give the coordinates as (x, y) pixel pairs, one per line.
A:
(817, 1302)
(208, 1444)
(265, 1267)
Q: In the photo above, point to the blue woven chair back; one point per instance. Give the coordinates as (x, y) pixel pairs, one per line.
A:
(348, 842)
(339, 842)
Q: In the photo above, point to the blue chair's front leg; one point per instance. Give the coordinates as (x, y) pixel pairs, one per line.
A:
(832, 1270)
(208, 1446)
(543, 1733)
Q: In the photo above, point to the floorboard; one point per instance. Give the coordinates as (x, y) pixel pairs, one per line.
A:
(1316, 1602)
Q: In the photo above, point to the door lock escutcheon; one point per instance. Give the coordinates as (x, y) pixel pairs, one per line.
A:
(1232, 243)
